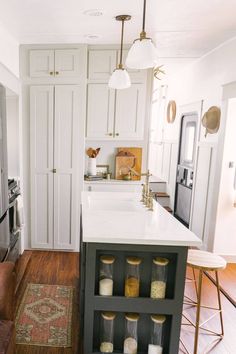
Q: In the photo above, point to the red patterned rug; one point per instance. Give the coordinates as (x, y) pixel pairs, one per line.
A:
(44, 316)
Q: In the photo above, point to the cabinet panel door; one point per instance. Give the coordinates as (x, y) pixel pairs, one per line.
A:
(41, 63)
(41, 149)
(101, 64)
(130, 112)
(200, 197)
(100, 111)
(67, 62)
(66, 214)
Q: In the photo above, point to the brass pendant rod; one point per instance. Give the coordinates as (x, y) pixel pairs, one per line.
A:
(121, 43)
(144, 15)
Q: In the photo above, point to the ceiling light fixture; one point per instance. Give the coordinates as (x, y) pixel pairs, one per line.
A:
(93, 12)
(120, 78)
(143, 53)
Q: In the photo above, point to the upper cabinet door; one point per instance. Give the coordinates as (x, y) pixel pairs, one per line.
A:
(41, 63)
(66, 152)
(67, 62)
(130, 112)
(101, 64)
(100, 111)
(41, 163)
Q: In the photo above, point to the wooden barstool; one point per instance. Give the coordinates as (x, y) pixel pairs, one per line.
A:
(204, 262)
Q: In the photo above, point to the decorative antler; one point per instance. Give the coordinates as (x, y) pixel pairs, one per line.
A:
(157, 71)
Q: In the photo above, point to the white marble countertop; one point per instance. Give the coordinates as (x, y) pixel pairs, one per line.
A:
(111, 217)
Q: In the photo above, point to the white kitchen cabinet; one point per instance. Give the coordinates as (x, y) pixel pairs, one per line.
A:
(101, 64)
(130, 112)
(54, 63)
(54, 116)
(100, 111)
(115, 114)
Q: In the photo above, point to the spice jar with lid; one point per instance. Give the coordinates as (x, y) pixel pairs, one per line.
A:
(159, 278)
(156, 339)
(132, 280)
(106, 275)
(131, 333)
(107, 332)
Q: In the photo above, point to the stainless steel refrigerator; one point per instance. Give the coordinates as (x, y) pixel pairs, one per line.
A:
(4, 219)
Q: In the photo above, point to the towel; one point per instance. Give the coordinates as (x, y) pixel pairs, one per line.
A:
(19, 212)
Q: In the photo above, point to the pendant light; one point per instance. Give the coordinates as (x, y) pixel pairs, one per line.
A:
(143, 53)
(120, 78)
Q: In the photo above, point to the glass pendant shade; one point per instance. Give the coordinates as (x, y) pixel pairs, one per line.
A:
(142, 54)
(119, 79)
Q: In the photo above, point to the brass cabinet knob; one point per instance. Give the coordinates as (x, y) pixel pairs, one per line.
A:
(54, 170)
(57, 72)
(117, 134)
(51, 72)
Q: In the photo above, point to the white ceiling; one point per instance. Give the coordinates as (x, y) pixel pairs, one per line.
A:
(181, 28)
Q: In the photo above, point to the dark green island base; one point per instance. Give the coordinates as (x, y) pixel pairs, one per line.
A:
(91, 304)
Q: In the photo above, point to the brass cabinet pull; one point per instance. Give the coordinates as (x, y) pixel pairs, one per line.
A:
(109, 134)
(51, 72)
(57, 72)
(117, 134)
(54, 170)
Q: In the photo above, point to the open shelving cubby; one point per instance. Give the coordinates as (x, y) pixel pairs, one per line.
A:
(92, 304)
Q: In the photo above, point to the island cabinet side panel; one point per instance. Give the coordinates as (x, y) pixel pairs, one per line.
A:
(170, 306)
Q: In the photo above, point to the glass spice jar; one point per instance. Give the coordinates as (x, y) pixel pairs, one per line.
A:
(106, 275)
(156, 338)
(107, 332)
(131, 333)
(159, 278)
(132, 280)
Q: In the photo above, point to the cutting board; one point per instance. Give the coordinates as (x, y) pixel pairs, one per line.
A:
(137, 164)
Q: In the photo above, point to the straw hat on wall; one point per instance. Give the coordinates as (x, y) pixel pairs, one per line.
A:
(211, 120)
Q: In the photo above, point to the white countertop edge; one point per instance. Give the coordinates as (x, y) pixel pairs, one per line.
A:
(144, 243)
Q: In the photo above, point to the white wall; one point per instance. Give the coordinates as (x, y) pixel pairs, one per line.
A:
(203, 80)
(9, 51)
(13, 136)
(225, 231)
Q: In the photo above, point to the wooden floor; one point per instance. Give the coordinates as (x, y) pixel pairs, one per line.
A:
(59, 268)
(62, 268)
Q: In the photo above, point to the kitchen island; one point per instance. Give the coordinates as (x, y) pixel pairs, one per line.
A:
(117, 226)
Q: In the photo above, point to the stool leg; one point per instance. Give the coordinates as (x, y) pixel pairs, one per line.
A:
(198, 312)
(219, 302)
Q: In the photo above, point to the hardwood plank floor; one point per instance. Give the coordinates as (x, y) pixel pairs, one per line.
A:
(62, 268)
(59, 268)
(228, 344)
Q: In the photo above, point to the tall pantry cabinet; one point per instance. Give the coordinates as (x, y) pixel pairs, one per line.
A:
(54, 112)
(56, 145)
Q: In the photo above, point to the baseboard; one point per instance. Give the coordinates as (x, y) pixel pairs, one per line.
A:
(229, 258)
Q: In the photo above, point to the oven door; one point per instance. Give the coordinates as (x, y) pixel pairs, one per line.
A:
(183, 203)
(4, 236)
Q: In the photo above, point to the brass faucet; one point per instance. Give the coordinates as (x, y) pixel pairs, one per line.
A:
(147, 195)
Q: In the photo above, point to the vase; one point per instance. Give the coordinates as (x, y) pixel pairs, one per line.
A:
(92, 170)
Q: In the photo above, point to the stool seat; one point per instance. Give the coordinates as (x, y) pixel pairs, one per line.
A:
(205, 260)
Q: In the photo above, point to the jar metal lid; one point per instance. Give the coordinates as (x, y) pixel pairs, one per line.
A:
(158, 318)
(133, 260)
(107, 259)
(132, 316)
(108, 315)
(160, 261)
